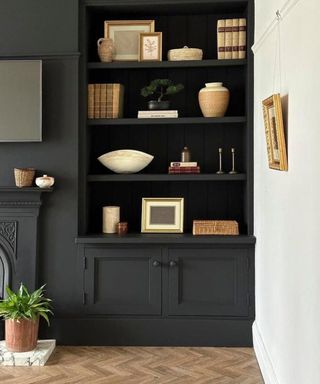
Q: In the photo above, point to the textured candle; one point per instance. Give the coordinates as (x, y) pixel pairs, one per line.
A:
(111, 217)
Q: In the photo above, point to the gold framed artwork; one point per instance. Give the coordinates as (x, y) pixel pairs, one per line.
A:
(150, 46)
(162, 215)
(274, 129)
(125, 35)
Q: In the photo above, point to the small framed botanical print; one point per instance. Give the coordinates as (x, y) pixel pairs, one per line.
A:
(150, 46)
(273, 122)
(162, 215)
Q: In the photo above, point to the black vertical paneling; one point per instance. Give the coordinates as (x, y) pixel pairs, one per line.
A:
(197, 203)
(196, 80)
(177, 31)
(157, 145)
(197, 32)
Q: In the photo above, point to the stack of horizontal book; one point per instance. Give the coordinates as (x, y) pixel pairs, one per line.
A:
(179, 167)
(105, 101)
(157, 114)
(231, 38)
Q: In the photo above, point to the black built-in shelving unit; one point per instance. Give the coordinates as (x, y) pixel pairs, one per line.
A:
(207, 195)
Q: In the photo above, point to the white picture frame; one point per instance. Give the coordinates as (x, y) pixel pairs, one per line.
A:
(162, 215)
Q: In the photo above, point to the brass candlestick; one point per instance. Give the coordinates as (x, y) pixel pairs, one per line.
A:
(233, 171)
(220, 172)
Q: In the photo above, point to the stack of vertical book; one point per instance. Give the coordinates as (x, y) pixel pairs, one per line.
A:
(231, 38)
(105, 101)
(178, 167)
(157, 114)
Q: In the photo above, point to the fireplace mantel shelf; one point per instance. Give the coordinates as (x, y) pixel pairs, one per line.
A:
(25, 189)
(26, 197)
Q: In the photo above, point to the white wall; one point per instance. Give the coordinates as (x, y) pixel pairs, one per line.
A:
(287, 204)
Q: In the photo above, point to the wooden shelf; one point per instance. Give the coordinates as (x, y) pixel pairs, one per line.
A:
(166, 177)
(164, 238)
(167, 64)
(171, 121)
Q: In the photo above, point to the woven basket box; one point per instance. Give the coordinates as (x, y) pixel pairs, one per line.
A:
(185, 53)
(215, 227)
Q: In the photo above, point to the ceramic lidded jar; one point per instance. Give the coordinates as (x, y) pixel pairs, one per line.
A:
(45, 181)
(214, 100)
(106, 49)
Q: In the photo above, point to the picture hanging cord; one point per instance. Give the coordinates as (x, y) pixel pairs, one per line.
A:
(277, 55)
(284, 11)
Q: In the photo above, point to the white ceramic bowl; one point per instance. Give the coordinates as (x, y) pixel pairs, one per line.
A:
(125, 160)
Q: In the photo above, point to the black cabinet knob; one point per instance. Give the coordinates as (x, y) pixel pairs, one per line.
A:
(172, 263)
(156, 263)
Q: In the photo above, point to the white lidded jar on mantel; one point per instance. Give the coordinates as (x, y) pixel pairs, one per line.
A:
(214, 100)
(45, 181)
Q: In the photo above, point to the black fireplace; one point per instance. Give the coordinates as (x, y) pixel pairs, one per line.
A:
(19, 211)
(7, 248)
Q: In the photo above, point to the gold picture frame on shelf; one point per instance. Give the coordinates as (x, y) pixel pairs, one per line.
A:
(150, 46)
(274, 130)
(162, 215)
(125, 35)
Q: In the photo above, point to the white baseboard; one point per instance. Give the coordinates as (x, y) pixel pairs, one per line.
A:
(263, 357)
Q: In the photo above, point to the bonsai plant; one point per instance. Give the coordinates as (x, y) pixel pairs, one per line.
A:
(21, 312)
(161, 88)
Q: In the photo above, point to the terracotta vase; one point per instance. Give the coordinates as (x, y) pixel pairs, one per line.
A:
(214, 100)
(21, 335)
(106, 49)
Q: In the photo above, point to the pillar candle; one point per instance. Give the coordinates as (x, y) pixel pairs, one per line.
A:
(111, 217)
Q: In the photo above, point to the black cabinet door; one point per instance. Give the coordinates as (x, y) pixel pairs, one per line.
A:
(122, 281)
(208, 282)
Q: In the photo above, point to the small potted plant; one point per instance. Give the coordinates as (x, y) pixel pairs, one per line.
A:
(161, 88)
(21, 312)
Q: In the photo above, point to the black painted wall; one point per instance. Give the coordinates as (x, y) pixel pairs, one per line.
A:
(48, 30)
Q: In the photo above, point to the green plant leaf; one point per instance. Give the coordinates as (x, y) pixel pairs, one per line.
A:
(161, 87)
(25, 305)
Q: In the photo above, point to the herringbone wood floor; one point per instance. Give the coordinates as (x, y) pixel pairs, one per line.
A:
(140, 365)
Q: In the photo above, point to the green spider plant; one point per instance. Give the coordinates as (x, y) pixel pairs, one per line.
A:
(25, 305)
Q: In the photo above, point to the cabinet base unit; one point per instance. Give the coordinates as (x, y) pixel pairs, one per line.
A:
(151, 331)
(155, 294)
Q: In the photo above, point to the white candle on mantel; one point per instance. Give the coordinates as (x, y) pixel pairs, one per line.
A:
(111, 217)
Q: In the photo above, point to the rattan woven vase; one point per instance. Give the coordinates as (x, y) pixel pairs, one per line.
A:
(214, 100)
(24, 177)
